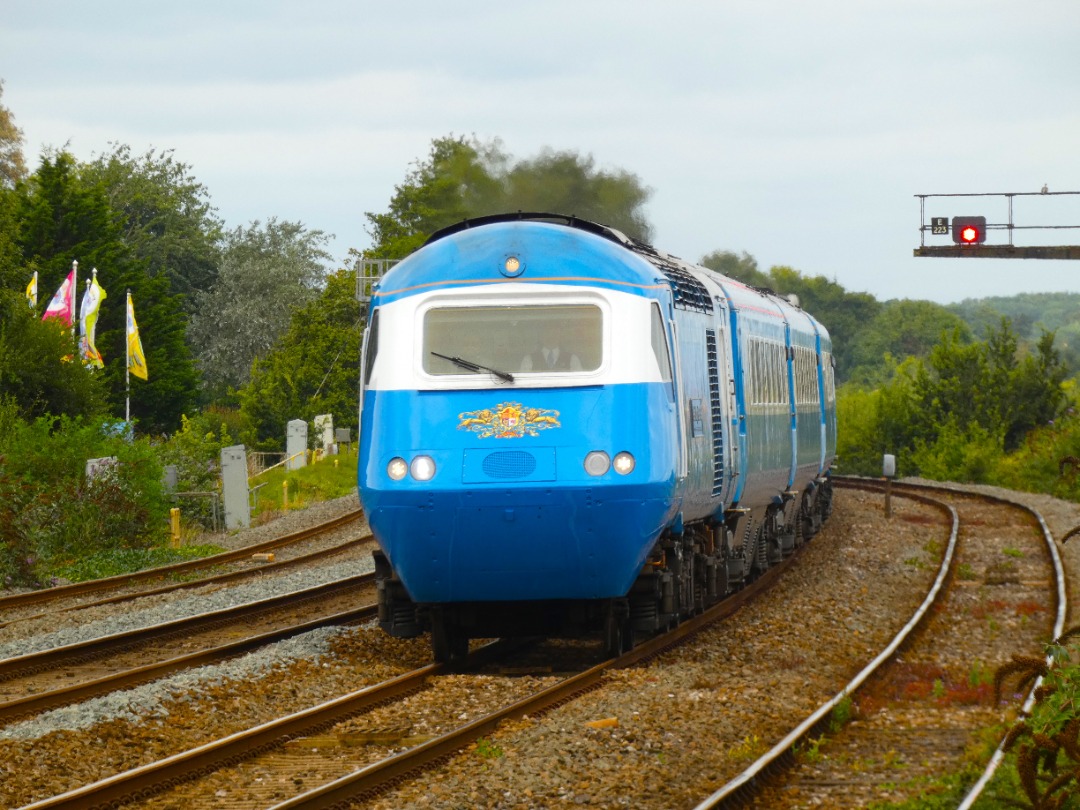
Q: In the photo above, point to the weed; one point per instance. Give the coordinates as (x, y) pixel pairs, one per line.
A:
(750, 748)
(487, 749)
(965, 572)
(111, 562)
(978, 675)
(1012, 552)
(842, 712)
(812, 752)
(1043, 744)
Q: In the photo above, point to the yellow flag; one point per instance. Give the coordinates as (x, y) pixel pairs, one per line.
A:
(88, 317)
(31, 291)
(135, 359)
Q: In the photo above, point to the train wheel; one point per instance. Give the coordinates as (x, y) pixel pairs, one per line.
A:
(618, 629)
(449, 645)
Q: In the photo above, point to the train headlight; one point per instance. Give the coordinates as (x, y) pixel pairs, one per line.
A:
(397, 469)
(422, 468)
(597, 462)
(623, 463)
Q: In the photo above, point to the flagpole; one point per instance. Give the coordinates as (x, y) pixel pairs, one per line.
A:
(127, 363)
(74, 294)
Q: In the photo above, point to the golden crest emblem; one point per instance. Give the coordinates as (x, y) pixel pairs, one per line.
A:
(508, 420)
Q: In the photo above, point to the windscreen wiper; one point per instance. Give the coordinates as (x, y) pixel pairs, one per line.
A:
(468, 364)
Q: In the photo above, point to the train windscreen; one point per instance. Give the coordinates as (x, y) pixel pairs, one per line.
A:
(516, 340)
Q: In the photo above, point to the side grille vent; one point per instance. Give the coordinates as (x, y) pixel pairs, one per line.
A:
(713, 360)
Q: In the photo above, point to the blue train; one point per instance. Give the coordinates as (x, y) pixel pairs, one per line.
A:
(566, 431)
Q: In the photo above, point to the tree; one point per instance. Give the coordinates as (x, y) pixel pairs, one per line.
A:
(464, 178)
(896, 329)
(65, 215)
(455, 182)
(741, 268)
(1029, 389)
(314, 368)
(266, 273)
(569, 183)
(39, 370)
(12, 164)
(167, 220)
(955, 412)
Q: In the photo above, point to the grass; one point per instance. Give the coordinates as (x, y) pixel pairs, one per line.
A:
(326, 479)
(111, 563)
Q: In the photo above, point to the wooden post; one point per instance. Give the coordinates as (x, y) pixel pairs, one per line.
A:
(888, 469)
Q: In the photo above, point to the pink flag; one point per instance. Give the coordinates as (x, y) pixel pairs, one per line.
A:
(62, 305)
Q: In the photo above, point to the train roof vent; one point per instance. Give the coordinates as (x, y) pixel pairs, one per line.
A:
(690, 293)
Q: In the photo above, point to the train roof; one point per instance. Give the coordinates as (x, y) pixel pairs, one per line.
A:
(685, 278)
(686, 286)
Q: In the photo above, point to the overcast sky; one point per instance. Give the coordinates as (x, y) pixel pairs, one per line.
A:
(798, 131)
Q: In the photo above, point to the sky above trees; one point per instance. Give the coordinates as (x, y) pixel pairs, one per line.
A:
(796, 132)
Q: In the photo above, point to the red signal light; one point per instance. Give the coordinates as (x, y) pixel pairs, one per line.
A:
(969, 230)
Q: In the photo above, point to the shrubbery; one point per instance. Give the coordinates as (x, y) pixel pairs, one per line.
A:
(56, 522)
(981, 413)
(54, 513)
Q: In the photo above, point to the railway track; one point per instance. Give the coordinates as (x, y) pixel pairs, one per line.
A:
(60, 676)
(895, 733)
(267, 746)
(381, 743)
(124, 587)
(320, 727)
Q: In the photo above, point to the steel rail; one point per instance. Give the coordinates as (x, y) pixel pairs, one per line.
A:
(150, 779)
(218, 579)
(21, 708)
(1061, 598)
(29, 663)
(79, 588)
(1061, 587)
(375, 777)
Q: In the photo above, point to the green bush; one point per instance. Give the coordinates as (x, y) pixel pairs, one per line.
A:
(56, 514)
(195, 452)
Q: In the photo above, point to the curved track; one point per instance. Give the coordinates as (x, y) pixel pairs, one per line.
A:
(776, 773)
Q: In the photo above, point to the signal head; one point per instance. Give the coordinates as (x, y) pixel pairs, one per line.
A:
(969, 230)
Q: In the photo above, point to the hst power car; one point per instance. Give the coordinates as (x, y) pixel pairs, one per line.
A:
(565, 430)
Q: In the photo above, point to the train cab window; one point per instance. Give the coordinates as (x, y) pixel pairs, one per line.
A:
(371, 346)
(555, 339)
(660, 345)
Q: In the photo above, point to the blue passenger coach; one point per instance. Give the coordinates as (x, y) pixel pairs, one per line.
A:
(564, 430)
